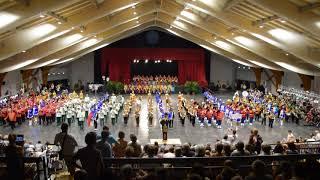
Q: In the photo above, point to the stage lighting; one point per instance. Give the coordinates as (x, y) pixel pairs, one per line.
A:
(134, 61)
(137, 61)
(146, 61)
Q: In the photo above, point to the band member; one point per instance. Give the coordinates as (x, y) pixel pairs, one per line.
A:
(220, 116)
(101, 117)
(35, 112)
(11, 118)
(58, 115)
(150, 115)
(164, 127)
(193, 116)
(264, 115)
(257, 113)
(30, 116)
(209, 116)
(137, 116)
(271, 118)
(41, 116)
(243, 116)
(113, 116)
(170, 117)
(81, 115)
(202, 114)
(282, 116)
(125, 116)
(182, 115)
(251, 115)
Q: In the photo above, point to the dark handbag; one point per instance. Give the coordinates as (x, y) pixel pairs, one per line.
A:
(62, 146)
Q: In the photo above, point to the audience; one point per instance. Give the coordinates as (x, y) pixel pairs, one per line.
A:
(14, 154)
(104, 146)
(67, 144)
(240, 151)
(119, 148)
(137, 150)
(90, 158)
(93, 167)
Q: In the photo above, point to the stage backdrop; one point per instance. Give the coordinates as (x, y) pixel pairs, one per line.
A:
(118, 60)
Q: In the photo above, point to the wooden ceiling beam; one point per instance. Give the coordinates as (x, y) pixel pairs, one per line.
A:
(309, 7)
(298, 49)
(207, 36)
(93, 28)
(22, 40)
(205, 44)
(231, 3)
(84, 44)
(28, 13)
(120, 34)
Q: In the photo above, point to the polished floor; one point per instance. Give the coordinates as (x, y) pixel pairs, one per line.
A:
(144, 132)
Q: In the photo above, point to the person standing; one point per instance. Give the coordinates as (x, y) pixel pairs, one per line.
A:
(220, 116)
(104, 146)
(164, 127)
(12, 118)
(119, 148)
(271, 117)
(90, 158)
(264, 117)
(69, 116)
(14, 157)
(81, 116)
(67, 144)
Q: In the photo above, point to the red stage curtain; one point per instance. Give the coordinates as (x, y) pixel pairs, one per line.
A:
(118, 60)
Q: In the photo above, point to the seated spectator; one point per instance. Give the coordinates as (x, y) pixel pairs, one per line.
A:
(199, 150)
(258, 171)
(111, 140)
(178, 152)
(169, 153)
(292, 149)
(14, 154)
(103, 146)
(285, 171)
(129, 152)
(39, 147)
(119, 148)
(226, 173)
(239, 151)
(266, 150)
(278, 149)
(218, 150)
(186, 151)
(227, 150)
(250, 149)
(90, 158)
(135, 145)
(225, 140)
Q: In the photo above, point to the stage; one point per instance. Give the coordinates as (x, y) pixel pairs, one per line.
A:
(179, 133)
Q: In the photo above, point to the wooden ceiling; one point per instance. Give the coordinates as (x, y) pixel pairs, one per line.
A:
(273, 34)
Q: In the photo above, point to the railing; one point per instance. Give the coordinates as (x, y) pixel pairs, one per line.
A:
(212, 164)
(41, 172)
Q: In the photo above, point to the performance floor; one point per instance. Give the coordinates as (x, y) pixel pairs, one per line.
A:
(144, 132)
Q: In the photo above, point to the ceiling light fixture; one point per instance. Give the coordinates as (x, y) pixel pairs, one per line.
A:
(59, 22)
(24, 51)
(42, 15)
(283, 21)
(287, 54)
(134, 13)
(261, 26)
(137, 22)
